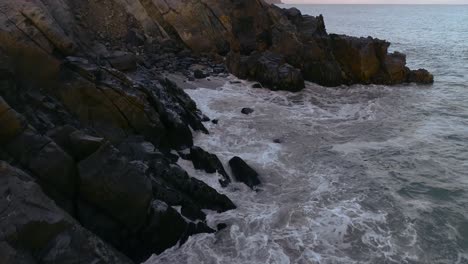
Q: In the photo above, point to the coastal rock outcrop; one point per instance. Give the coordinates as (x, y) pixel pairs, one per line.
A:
(89, 120)
(281, 48)
(243, 172)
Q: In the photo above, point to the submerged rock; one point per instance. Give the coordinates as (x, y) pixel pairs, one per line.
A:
(243, 172)
(247, 111)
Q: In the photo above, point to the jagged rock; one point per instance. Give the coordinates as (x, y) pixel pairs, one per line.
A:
(302, 47)
(270, 69)
(243, 172)
(174, 186)
(64, 98)
(208, 162)
(34, 230)
(158, 236)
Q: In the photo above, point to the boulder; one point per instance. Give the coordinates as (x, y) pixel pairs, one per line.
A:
(174, 186)
(158, 236)
(247, 111)
(208, 162)
(421, 76)
(268, 68)
(243, 172)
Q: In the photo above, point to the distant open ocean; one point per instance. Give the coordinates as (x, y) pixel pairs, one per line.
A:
(365, 174)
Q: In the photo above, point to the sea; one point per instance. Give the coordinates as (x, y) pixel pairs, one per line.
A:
(362, 174)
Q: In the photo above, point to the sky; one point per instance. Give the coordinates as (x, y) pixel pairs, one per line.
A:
(376, 1)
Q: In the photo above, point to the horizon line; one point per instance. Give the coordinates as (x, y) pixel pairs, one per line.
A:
(463, 4)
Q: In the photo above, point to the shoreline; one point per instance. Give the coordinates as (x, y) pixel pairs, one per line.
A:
(92, 129)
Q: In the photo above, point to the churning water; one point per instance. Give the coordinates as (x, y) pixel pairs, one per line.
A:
(364, 174)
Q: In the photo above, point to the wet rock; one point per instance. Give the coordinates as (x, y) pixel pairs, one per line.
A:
(197, 228)
(221, 226)
(257, 85)
(34, 230)
(205, 118)
(277, 140)
(157, 235)
(199, 74)
(269, 68)
(174, 186)
(247, 111)
(210, 163)
(421, 76)
(243, 172)
(215, 121)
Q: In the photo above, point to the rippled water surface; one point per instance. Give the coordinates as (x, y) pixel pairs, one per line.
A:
(364, 174)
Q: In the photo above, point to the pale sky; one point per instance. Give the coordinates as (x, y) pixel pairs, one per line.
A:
(375, 1)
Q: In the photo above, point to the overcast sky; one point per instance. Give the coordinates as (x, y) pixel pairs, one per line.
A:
(377, 1)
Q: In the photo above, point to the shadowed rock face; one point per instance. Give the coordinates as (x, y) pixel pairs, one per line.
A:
(87, 117)
(88, 121)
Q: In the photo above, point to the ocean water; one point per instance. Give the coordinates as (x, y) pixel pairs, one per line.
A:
(364, 174)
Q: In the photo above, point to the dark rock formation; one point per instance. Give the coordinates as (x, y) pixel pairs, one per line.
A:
(281, 48)
(247, 111)
(268, 68)
(85, 112)
(208, 162)
(34, 230)
(243, 172)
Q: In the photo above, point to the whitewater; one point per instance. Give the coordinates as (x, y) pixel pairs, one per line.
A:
(361, 174)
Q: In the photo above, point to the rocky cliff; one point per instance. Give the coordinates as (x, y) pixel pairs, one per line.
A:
(89, 126)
